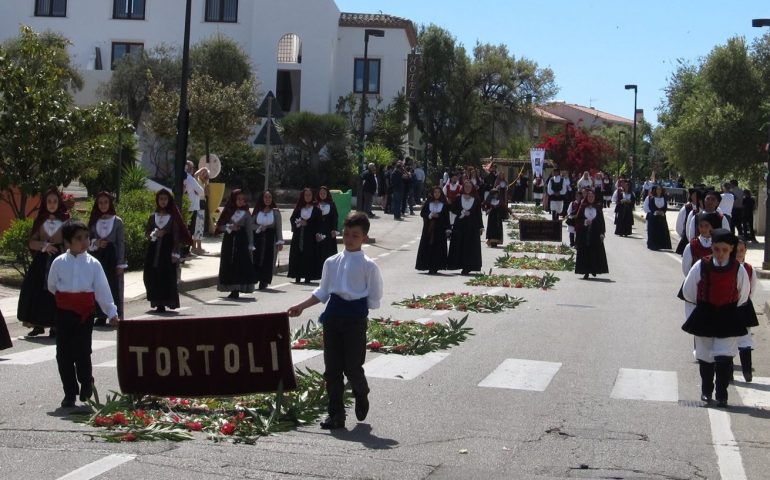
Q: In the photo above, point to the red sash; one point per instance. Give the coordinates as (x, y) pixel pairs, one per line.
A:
(82, 303)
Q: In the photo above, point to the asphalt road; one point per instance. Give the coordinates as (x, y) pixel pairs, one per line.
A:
(588, 345)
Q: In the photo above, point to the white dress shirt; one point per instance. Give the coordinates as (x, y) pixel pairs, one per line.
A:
(726, 204)
(194, 192)
(351, 275)
(81, 273)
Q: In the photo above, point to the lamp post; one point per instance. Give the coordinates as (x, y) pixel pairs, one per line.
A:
(633, 145)
(183, 120)
(621, 133)
(765, 22)
(369, 32)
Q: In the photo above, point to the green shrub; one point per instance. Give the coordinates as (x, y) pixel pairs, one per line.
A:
(136, 243)
(14, 243)
(133, 178)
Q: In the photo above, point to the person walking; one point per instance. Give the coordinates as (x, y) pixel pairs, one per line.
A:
(236, 268)
(197, 197)
(268, 238)
(108, 246)
(464, 246)
(418, 185)
(397, 186)
(432, 251)
(369, 188)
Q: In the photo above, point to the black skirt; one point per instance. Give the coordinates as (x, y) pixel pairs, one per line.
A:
(495, 225)
(590, 255)
(624, 219)
(107, 257)
(37, 306)
(236, 272)
(710, 321)
(432, 251)
(5, 337)
(465, 245)
(748, 315)
(658, 236)
(681, 246)
(303, 254)
(264, 255)
(160, 273)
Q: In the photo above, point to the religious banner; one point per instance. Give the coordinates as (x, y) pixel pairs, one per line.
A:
(540, 230)
(413, 64)
(537, 157)
(205, 357)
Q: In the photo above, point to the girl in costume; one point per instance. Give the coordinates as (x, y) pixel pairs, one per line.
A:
(108, 245)
(747, 313)
(716, 286)
(693, 205)
(236, 270)
(305, 224)
(327, 229)
(268, 238)
(432, 252)
(166, 231)
(497, 211)
(655, 206)
(37, 306)
(624, 200)
(591, 257)
(572, 211)
(464, 246)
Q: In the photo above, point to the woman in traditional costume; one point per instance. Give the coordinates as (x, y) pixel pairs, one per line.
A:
(327, 227)
(497, 211)
(268, 238)
(37, 306)
(591, 257)
(464, 246)
(624, 200)
(432, 251)
(236, 270)
(305, 224)
(693, 205)
(655, 206)
(108, 245)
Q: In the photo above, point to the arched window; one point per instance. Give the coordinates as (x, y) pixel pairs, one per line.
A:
(290, 49)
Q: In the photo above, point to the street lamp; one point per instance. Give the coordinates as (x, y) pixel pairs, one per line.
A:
(183, 120)
(369, 32)
(633, 146)
(621, 133)
(765, 22)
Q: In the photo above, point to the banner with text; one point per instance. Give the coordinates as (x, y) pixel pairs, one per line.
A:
(537, 157)
(205, 356)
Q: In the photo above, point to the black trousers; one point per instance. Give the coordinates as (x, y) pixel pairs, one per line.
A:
(73, 351)
(344, 353)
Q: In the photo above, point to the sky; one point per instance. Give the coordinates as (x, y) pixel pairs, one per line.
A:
(593, 47)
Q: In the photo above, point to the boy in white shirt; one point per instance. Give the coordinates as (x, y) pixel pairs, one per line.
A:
(78, 282)
(352, 284)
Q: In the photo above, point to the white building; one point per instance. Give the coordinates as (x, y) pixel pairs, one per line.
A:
(306, 51)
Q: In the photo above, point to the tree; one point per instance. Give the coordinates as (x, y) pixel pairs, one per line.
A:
(44, 139)
(311, 132)
(711, 119)
(221, 59)
(56, 46)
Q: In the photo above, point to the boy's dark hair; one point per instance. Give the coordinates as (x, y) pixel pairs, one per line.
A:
(71, 227)
(357, 219)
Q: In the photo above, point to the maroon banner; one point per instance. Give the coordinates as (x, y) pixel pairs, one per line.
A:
(197, 357)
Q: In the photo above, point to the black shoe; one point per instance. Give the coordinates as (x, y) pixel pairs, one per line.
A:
(463, 272)
(100, 322)
(722, 403)
(593, 274)
(36, 331)
(362, 407)
(68, 402)
(333, 422)
(52, 332)
(585, 277)
(262, 285)
(86, 391)
(705, 398)
(298, 280)
(307, 281)
(234, 294)
(160, 309)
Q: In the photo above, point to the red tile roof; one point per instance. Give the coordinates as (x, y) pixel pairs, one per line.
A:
(597, 113)
(548, 116)
(379, 20)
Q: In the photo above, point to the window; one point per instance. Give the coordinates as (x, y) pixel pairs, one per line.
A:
(128, 9)
(222, 10)
(374, 76)
(120, 50)
(290, 49)
(50, 8)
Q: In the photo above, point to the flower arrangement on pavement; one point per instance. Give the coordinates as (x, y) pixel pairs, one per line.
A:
(539, 247)
(244, 419)
(463, 302)
(518, 208)
(534, 263)
(385, 335)
(546, 281)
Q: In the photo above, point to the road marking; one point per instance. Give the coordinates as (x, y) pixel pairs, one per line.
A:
(94, 469)
(653, 385)
(216, 300)
(518, 374)
(384, 254)
(755, 394)
(728, 453)
(404, 246)
(402, 367)
(438, 313)
(298, 356)
(493, 291)
(280, 285)
(108, 364)
(45, 354)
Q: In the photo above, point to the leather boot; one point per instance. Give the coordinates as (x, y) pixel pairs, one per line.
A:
(706, 380)
(745, 354)
(724, 369)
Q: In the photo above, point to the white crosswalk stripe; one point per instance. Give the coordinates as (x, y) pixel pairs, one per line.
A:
(44, 354)
(519, 374)
(653, 385)
(402, 367)
(755, 394)
(299, 356)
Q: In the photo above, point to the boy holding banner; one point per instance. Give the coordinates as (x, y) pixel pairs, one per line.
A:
(78, 282)
(351, 283)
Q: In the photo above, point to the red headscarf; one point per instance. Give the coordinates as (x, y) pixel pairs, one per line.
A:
(96, 213)
(176, 216)
(231, 208)
(42, 212)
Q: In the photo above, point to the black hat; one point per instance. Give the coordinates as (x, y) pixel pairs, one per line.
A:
(723, 235)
